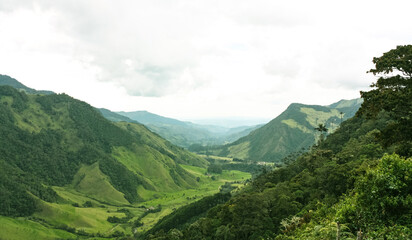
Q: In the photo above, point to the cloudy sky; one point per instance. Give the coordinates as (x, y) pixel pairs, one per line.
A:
(191, 59)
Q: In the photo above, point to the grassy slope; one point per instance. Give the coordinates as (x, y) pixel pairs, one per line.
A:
(289, 132)
(20, 228)
(92, 182)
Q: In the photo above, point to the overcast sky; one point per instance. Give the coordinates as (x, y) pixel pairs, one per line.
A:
(200, 58)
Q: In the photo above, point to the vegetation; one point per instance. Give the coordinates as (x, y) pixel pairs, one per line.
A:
(67, 172)
(46, 139)
(351, 185)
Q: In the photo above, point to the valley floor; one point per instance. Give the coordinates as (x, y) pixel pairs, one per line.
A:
(78, 215)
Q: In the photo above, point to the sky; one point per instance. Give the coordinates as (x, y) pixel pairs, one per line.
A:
(197, 59)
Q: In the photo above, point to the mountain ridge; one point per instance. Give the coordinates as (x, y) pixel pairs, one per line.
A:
(291, 131)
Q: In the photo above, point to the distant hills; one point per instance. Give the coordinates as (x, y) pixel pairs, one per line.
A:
(291, 131)
(182, 133)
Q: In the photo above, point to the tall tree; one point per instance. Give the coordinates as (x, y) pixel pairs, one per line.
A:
(321, 128)
(392, 93)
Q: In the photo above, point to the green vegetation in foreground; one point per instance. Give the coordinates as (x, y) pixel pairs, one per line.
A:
(355, 184)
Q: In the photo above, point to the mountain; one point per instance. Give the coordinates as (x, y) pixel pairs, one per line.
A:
(9, 81)
(291, 131)
(49, 141)
(183, 133)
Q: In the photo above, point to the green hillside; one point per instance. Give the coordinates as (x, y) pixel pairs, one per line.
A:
(68, 172)
(55, 140)
(290, 132)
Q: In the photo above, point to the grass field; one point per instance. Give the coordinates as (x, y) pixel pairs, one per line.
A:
(173, 200)
(93, 220)
(23, 228)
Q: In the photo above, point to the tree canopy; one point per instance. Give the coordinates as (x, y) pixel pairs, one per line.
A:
(392, 93)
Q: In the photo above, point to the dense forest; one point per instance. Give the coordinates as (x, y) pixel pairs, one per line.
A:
(355, 184)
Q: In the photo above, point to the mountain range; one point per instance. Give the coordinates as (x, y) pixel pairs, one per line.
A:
(182, 133)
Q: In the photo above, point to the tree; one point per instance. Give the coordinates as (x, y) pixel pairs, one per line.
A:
(392, 93)
(322, 129)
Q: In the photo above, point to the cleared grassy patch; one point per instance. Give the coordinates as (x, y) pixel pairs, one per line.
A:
(22, 228)
(293, 124)
(92, 182)
(316, 117)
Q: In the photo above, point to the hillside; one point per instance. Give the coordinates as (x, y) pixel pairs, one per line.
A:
(48, 140)
(182, 133)
(290, 132)
(355, 184)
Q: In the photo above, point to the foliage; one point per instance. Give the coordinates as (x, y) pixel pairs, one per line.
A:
(214, 168)
(392, 94)
(344, 179)
(189, 213)
(381, 197)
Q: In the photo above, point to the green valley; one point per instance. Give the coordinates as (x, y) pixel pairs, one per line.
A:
(343, 171)
(67, 172)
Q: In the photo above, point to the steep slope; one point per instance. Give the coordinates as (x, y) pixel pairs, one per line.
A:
(290, 131)
(182, 133)
(55, 140)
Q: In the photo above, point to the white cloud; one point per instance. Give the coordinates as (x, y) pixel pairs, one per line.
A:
(193, 58)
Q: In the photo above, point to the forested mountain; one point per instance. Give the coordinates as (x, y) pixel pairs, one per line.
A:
(55, 140)
(290, 132)
(355, 184)
(185, 134)
(9, 81)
